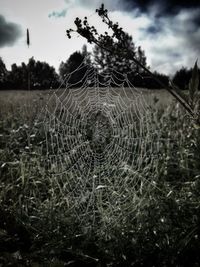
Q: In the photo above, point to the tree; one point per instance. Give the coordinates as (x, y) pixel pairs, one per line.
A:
(74, 69)
(152, 84)
(140, 56)
(86, 54)
(42, 75)
(182, 77)
(3, 75)
(34, 75)
(17, 76)
(104, 60)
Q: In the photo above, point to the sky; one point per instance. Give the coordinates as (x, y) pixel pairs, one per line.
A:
(168, 31)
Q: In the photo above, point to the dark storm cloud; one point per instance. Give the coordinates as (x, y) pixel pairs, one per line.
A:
(158, 8)
(9, 32)
(176, 22)
(177, 43)
(166, 6)
(154, 29)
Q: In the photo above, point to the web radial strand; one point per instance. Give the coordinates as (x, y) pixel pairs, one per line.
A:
(98, 140)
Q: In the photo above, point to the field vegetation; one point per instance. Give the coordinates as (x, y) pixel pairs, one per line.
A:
(39, 228)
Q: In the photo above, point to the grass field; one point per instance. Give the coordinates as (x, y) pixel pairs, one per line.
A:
(41, 225)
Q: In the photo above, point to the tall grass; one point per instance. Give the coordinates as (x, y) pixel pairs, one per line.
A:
(158, 224)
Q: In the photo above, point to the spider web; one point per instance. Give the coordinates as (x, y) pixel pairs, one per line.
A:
(101, 144)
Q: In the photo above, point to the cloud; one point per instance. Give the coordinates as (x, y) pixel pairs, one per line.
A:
(170, 38)
(171, 42)
(164, 7)
(58, 14)
(144, 6)
(167, 30)
(9, 32)
(111, 5)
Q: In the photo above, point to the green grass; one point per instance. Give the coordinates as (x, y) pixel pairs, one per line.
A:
(40, 225)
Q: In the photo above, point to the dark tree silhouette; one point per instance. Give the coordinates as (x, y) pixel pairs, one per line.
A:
(42, 76)
(3, 75)
(71, 64)
(152, 84)
(182, 78)
(104, 60)
(74, 69)
(34, 75)
(18, 76)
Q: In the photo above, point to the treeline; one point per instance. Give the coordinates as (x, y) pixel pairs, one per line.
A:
(34, 75)
(40, 75)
